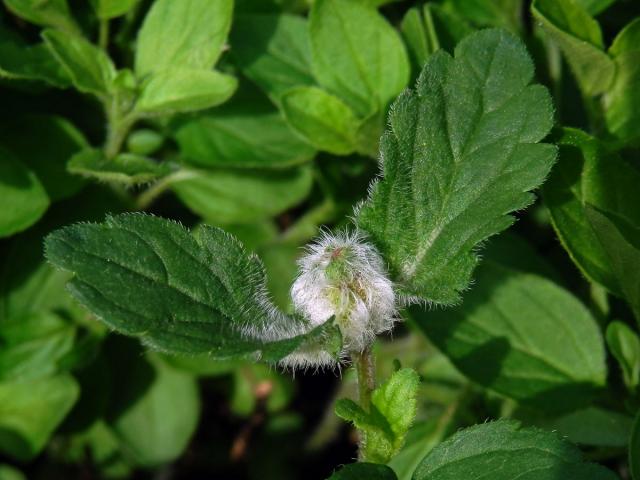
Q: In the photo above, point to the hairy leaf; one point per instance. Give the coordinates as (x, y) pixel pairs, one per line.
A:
(459, 155)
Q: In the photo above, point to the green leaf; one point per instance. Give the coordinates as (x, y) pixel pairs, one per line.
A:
(273, 51)
(620, 240)
(126, 168)
(594, 7)
(33, 345)
(490, 13)
(107, 9)
(228, 196)
(47, 13)
(579, 37)
(156, 428)
(634, 449)
(144, 141)
(593, 426)
(184, 90)
(504, 451)
(186, 34)
(624, 345)
(363, 470)
(245, 133)
(586, 173)
(8, 472)
(357, 55)
(393, 408)
(499, 338)
(322, 119)
(150, 278)
(459, 155)
(31, 410)
(62, 140)
(89, 67)
(23, 196)
(620, 105)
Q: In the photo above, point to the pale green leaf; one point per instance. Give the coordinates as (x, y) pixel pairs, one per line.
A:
(504, 451)
(624, 345)
(144, 141)
(186, 34)
(107, 9)
(357, 55)
(89, 67)
(460, 154)
(499, 338)
(150, 278)
(364, 471)
(47, 13)
(126, 168)
(324, 120)
(184, 90)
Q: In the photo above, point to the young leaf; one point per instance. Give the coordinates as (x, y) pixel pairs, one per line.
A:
(89, 67)
(273, 51)
(23, 196)
(150, 278)
(459, 155)
(230, 196)
(357, 55)
(634, 449)
(322, 119)
(580, 38)
(393, 408)
(126, 168)
(624, 345)
(144, 141)
(49, 13)
(499, 338)
(503, 451)
(362, 471)
(107, 9)
(184, 90)
(185, 34)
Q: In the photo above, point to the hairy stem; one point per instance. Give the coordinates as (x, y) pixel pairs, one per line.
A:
(118, 129)
(365, 369)
(152, 193)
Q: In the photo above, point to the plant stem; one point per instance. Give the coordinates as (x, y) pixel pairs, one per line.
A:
(365, 369)
(118, 129)
(103, 35)
(152, 193)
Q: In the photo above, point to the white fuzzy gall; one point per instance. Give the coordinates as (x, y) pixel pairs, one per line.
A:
(343, 276)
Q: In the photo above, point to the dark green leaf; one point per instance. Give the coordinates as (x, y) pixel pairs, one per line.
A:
(593, 426)
(364, 471)
(624, 345)
(504, 451)
(460, 154)
(634, 449)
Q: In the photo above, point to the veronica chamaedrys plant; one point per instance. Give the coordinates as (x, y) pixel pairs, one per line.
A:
(461, 152)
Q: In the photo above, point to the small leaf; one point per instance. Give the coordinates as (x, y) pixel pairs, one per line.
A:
(503, 451)
(23, 196)
(459, 155)
(273, 51)
(634, 449)
(150, 278)
(144, 141)
(322, 119)
(231, 196)
(393, 408)
(126, 168)
(89, 67)
(357, 55)
(579, 37)
(49, 13)
(499, 338)
(624, 345)
(184, 90)
(107, 9)
(362, 471)
(186, 34)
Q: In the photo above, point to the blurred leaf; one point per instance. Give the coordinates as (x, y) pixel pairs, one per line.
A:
(594, 7)
(460, 153)
(33, 345)
(357, 55)
(254, 382)
(126, 168)
(579, 37)
(156, 428)
(322, 119)
(499, 337)
(363, 470)
(107, 9)
(62, 140)
(593, 426)
(245, 133)
(150, 278)
(392, 410)
(227, 196)
(586, 173)
(47, 13)
(624, 345)
(421, 439)
(621, 105)
(187, 34)
(273, 51)
(89, 67)
(10, 473)
(144, 141)
(634, 449)
(31, 410)
(184, 90)
(503, 451)
(490, 13)
(23, 196)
